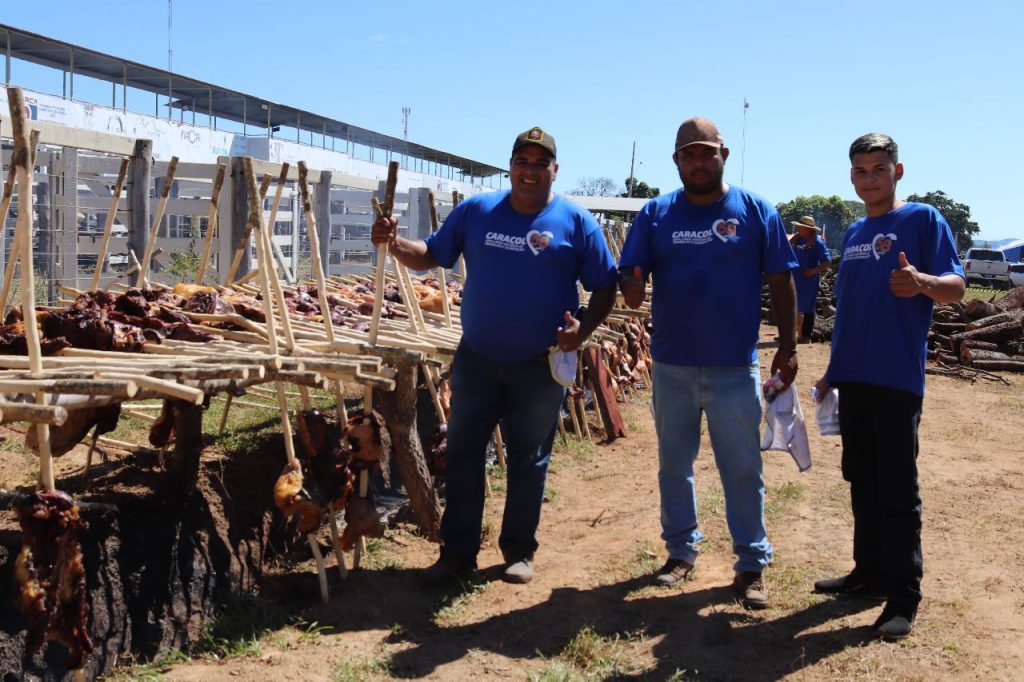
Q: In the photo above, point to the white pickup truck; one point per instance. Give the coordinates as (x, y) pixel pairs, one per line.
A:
(988, 267)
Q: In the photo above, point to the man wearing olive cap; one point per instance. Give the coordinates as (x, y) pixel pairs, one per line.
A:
(707, 247)
(525, 250)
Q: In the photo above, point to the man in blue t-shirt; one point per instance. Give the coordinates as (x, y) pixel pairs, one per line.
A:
(525, 250)
(813, 256)
(896, 262)
(707, 247)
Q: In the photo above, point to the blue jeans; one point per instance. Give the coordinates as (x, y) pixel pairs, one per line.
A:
(731, 399)
(526, 400)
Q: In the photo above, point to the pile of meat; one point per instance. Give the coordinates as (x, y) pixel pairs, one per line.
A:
(324, 477)
(50, 575)
(629, 359)
(101, 320)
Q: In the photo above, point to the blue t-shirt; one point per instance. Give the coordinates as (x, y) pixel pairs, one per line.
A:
(878, 337)
(522, 271)
(707, 264)
(808, 255)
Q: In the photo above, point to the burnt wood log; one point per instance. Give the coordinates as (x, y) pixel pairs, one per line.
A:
(948, 327)
(977, 309)
(1004, 331)
(399, 411)
(980, 345)
(1001, 318)
(936, 339)
(969, 356)
(1000, 365)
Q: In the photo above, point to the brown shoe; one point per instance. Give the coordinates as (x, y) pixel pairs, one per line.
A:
(674, 572)
(750, 589)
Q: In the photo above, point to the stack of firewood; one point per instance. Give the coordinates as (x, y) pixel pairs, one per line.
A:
(981, 335)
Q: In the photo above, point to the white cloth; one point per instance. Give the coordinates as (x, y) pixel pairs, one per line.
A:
(786, 430)
(563, 366)
(826, 412)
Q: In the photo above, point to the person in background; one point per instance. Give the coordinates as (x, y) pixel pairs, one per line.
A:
(813, 256)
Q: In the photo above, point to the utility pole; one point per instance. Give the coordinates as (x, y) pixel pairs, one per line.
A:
(405, 121)
(170, 8)
(632, 161)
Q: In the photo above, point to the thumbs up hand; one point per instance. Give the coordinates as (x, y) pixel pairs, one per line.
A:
(906, 282)
(632, 284)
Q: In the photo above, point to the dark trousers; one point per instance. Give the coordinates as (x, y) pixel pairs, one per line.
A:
(879, 428)
(808, 325)
(526, 400)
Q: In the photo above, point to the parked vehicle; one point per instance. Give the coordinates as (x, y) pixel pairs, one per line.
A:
(1017, 275)
(987, 267)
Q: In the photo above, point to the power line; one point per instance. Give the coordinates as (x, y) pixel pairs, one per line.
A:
(743, 152)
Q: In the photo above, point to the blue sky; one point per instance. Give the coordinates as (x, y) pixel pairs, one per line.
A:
(944, 79)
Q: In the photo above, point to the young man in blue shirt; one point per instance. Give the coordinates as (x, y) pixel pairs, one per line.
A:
(707, 247)
(897, 262)
(525, 251)
(813, 256)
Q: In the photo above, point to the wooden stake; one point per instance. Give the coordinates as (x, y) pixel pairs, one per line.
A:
(212, 222)
(20, 161)
(499, 446)
(445, 304)
(165, 193)
(108, 225)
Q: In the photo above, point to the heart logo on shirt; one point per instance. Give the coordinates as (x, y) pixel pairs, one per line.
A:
(725, 229)
(882, 244)
(538, 241)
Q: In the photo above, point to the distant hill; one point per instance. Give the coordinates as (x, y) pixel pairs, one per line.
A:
(994, 243)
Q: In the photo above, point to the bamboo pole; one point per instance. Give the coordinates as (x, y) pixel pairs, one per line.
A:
(255, 222)
(378, 302)
(20, 164)
(154, 229)
(23, 194)
(212, 222)
(318, 274)
(108, 226)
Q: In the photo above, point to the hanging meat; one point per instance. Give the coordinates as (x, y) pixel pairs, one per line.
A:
(69, 434)
(50, 575)
(321, 476)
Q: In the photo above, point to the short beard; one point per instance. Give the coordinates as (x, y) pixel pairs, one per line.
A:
(711, 186)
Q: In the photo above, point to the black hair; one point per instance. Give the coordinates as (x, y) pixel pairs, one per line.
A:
(875, 142)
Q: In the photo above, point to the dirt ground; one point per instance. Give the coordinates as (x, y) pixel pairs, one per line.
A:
(591, 613)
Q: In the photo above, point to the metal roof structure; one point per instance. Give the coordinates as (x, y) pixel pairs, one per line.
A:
(189, 94)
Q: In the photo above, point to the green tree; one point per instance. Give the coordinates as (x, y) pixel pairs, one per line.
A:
(956, 214)
(832, 214)
(641, 190)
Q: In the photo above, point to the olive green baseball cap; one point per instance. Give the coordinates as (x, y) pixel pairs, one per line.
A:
(537, 136)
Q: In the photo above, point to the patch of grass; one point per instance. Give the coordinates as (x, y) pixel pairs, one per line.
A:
(152, 671)
(496, 476)
(589, 655)
(453, 607)
(379, 558)
(550, 494)
(309, 633)
(238, 631)
(781, 497)
(363, 669)
(790, 586)
(574, 450)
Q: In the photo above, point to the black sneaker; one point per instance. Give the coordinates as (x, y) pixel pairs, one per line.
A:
(893, 627)
(674, 571)
(447, 569)
(852, 585)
